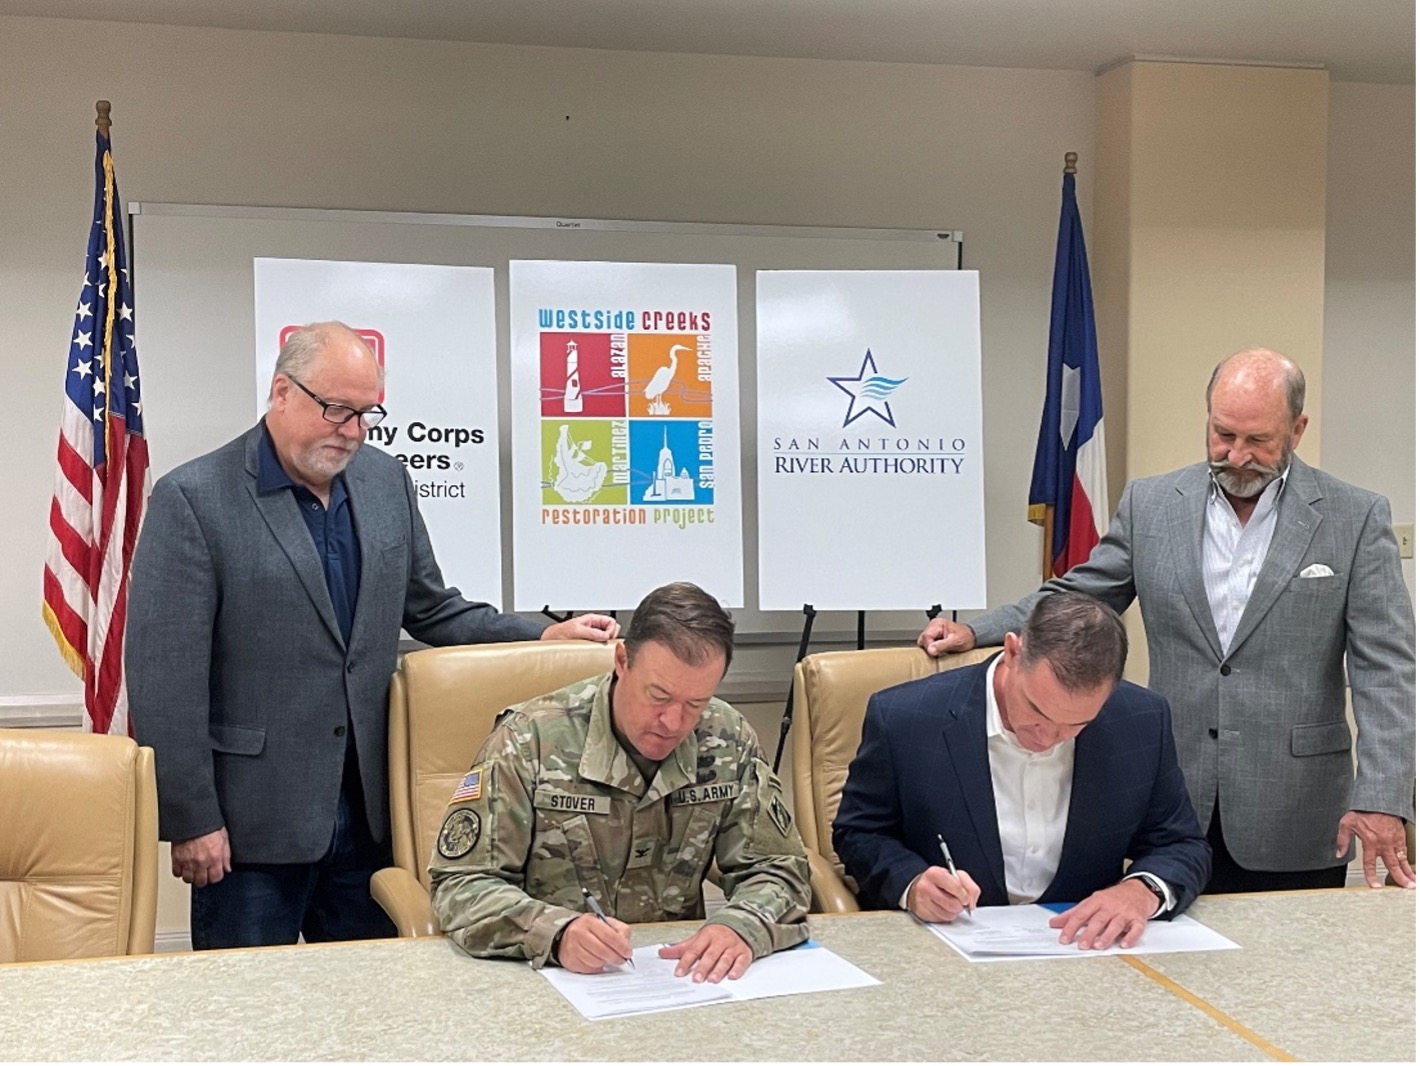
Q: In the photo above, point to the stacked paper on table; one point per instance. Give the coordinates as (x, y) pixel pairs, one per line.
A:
(653, 986)
(1013, 934)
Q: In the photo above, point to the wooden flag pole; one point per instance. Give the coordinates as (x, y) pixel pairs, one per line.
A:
(102, 121)
(1047, 562)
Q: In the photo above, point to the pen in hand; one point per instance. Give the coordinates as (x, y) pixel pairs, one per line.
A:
(601, 915)
(947, 858)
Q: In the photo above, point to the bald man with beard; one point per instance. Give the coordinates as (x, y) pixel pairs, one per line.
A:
(1265, 586)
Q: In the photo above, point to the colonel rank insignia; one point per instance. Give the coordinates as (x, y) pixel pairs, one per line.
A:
(459, 834)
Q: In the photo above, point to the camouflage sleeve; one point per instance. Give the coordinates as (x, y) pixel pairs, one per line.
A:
(481, 851)
(764, 873)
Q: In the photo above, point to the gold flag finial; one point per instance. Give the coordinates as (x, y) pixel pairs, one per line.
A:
(103, 122)
(1071, 158)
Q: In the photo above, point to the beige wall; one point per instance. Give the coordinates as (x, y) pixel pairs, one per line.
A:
(1368, 410)
(1226, 204)
(323, 121)
(1110, 261)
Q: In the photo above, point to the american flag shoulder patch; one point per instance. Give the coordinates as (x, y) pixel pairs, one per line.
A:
(470, 788)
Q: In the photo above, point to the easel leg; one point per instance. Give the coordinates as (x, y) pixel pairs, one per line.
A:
(787, 720)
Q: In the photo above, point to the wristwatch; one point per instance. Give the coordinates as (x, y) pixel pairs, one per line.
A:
(1157, 889)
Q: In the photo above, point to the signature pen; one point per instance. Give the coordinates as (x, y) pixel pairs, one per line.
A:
(946, 856)
(601, 914)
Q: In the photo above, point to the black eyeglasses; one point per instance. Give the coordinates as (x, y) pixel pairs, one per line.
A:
(340, 413)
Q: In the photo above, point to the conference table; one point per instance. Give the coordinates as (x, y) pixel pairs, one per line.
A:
(1320, 976)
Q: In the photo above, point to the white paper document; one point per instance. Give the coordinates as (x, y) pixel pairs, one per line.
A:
(1013, 934)
(652, 986)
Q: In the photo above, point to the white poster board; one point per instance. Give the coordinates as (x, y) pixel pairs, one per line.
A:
(870, 453)
(432, 328)
(625, 419)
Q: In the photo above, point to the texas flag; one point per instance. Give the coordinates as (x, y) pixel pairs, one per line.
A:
(1067, 490)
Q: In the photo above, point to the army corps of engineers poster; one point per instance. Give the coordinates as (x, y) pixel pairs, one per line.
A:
(625, 432)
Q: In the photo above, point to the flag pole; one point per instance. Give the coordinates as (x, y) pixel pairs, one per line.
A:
(1047, 563)
(1068, 476)
(101, 473)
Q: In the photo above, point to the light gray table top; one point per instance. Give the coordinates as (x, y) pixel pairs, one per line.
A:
(1328, 975)
(1325, 975)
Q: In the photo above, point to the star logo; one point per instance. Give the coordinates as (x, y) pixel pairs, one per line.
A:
(868, 392)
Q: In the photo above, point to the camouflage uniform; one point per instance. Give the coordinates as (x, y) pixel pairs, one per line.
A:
(553, 803)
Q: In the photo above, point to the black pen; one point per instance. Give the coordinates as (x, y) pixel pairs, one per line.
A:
(947, 856)
(601, 916)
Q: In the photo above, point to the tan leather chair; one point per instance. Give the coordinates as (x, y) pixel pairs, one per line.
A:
(78, 846)
(831, 691)
(442, 705)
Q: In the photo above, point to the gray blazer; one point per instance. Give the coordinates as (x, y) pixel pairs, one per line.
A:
(238, 677)
(1263, 729)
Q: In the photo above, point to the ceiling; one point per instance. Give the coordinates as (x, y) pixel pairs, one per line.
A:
(1357, 40)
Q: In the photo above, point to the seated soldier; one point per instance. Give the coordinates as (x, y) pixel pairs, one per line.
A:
(621, 789)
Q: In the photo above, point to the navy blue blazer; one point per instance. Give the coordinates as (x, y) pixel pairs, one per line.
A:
(922, 769)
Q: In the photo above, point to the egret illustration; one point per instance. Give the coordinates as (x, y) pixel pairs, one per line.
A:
(660, 382)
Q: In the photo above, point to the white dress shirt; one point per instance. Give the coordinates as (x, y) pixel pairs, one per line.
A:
(1032, 793)
(1233, 554)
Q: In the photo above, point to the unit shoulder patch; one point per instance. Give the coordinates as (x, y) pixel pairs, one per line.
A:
(459, 834)
(779, 815)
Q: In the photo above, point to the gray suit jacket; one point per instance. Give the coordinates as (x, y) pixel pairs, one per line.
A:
(238, 677)
(1263, 728)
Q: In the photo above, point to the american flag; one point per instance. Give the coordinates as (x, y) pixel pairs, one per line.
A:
(101, 486)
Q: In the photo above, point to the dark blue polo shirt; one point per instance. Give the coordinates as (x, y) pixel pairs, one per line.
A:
(332, 528)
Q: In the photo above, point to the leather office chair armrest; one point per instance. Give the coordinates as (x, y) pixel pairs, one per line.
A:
(830, 894)
(405, 901)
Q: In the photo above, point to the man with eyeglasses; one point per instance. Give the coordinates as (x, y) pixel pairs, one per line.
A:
(267, 594)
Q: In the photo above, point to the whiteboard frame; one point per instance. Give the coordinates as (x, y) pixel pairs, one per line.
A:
(711, 229)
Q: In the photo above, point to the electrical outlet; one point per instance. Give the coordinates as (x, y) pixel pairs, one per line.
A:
(1405, 536)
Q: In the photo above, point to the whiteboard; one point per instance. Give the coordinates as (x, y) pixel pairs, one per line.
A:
(192, 268)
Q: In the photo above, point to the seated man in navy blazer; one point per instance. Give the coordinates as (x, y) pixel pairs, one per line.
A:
(1042, 771)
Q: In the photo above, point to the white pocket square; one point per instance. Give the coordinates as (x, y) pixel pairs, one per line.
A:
(1317, 570)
